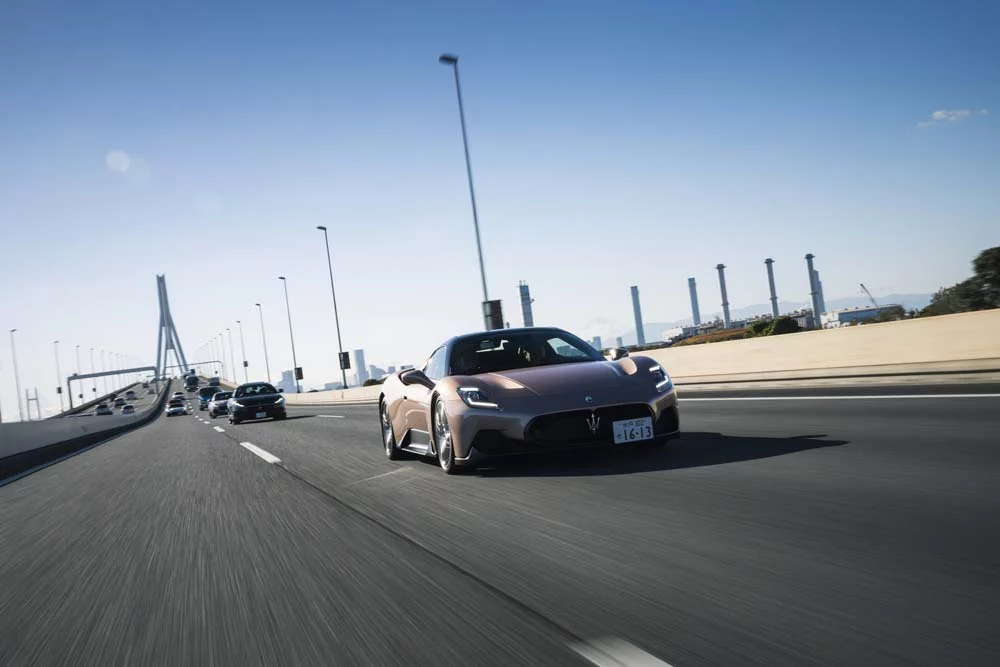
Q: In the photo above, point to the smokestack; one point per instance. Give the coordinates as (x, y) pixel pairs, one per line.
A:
(770, 284)
(819, 292)
(640, 335)
(721, 268)
(695, 313)
(526, 301)
(813, 291)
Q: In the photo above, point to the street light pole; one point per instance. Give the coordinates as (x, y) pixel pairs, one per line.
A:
(232, 357)
(93, 381)
(17, 377)
(222, 353)
(288, 307)
(336, 317)
(452, 60)
(55, 344)
(263, 339)
(243, 349)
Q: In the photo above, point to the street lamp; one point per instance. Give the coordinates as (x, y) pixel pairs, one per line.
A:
(222, 353)
(17, 377)
(243, 349)
(80, 382)
(336, 317)
(295, 364)
(93, 381)
(55, 345)
(263, 339)
(452, 60)
(232, 357)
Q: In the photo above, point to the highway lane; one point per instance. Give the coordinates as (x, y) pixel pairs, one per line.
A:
(838, 532)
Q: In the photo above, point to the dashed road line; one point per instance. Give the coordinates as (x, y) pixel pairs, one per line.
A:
(220, 429)
(331, 416)
(267, 456)
(615, 652)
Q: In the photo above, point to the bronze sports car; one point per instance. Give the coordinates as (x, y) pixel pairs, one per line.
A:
(514, 391)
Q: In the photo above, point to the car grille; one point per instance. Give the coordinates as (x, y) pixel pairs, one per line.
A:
(569, 427)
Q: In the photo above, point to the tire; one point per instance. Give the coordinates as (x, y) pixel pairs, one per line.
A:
(234, 421)
(389, 445)
(443, 439)
(278, 418)
(212, 415)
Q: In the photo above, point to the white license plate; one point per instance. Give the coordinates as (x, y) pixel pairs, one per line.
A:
(632, 430)
(260, 415)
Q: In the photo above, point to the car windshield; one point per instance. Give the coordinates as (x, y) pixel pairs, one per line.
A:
(504, 351)
(222, 395)
(255, 390)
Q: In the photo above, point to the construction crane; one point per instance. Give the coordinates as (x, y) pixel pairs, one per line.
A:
(878, 308)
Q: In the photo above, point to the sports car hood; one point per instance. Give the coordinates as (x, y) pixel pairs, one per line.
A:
(591, 376)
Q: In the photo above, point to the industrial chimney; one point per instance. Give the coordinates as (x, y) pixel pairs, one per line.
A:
(721, 268)
(526, 301)
(640, 336)
(819, 292)
(770, 284)
(695, 313)
(813, 291)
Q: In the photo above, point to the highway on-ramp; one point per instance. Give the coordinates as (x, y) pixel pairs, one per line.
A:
(851, 530)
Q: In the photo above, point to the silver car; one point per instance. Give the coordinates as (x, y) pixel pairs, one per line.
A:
(219, 405)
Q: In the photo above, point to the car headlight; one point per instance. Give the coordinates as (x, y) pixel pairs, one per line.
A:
(237, 404)
(476, 398)
(280, 401)
(661, 377)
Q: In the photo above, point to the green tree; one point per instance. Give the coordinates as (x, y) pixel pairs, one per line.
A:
(783, 325)
(980, 292)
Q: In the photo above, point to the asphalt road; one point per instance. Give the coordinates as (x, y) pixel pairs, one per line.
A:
(842, 531)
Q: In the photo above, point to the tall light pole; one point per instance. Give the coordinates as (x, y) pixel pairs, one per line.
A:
(78, 373)
(263, 339)
(232, 357)
(288, 307)
(243, 349)
(452, 60)
(55, 345)
(17, 377)
(222, 353)
(336, 317)
(93, 381)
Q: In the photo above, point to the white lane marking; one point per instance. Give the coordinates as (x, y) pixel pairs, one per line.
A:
(331, 416)
(368, 479)
(220, 429)
(836, 398)
(615, 652)
(267, 456)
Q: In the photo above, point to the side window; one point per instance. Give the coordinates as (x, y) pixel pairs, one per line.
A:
(435, 368)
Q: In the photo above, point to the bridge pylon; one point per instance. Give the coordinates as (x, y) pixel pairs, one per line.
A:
(167, 340)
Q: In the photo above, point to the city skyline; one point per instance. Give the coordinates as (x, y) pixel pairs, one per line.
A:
(611, 146)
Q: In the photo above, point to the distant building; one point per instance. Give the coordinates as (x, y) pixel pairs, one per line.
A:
(847, 316)
(619, 342)
(390, 370)
(287, 382)
(405, 367)
(596, 342)
(361, 369)
(804, 318)
(331, 386)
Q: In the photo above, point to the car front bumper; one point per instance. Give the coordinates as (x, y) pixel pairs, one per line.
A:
(482, 434)
(251, 412)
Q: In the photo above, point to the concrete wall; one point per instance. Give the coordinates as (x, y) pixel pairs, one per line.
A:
(954, 341)
(948, 338)
(20, 437)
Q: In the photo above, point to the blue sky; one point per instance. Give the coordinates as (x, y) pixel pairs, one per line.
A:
(612, 144)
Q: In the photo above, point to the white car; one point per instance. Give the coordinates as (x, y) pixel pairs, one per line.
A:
(219, 405)
(177, 394)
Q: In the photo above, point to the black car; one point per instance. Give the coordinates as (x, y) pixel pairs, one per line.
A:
(256, 400)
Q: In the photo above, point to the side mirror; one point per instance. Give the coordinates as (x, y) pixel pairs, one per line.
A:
(618, 353)
(414, 376)
(280, 390)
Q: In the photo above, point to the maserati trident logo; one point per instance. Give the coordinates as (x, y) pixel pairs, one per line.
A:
(588, 398)
(593, 422)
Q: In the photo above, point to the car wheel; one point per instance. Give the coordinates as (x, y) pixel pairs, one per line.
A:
(388, 437)
(443, 439)
(212, 415)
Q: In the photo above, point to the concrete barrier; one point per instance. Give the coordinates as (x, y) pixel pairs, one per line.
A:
(24, 445)
(946, 344)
